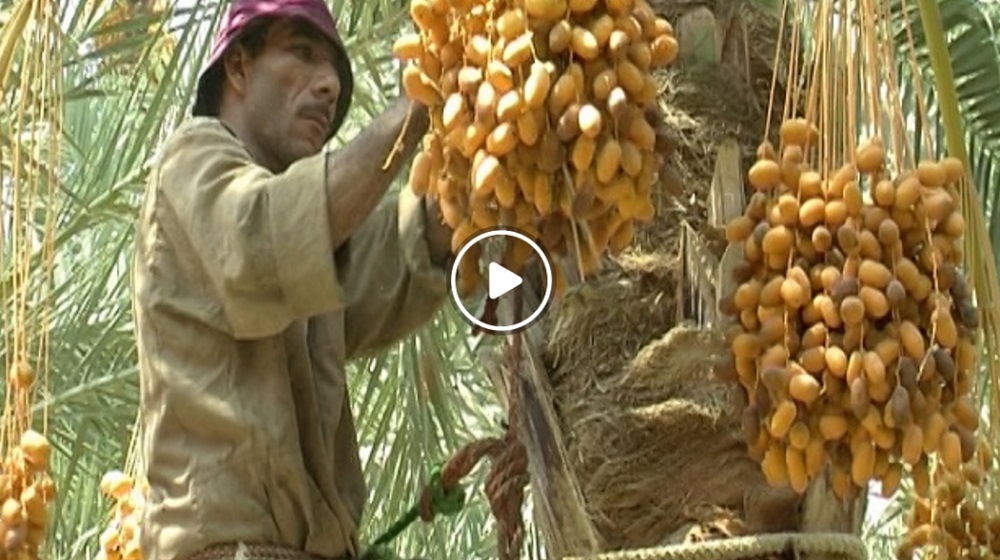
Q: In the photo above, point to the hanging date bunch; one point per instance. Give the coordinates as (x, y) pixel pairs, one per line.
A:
(128, 490)
(120, 538)
(26, 489)
(854, 334)
(856, 327)
(31, 71)
(537, 120)
(950, 517)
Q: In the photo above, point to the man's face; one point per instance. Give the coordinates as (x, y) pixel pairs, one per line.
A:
(289, 93)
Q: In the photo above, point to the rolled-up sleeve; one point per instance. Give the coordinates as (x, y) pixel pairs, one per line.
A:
(262, 239)
(391, 284)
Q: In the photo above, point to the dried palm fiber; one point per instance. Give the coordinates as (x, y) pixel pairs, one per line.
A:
(647, 443)
(596, 335)
(855, 341)
(700, 116)
(31, 78)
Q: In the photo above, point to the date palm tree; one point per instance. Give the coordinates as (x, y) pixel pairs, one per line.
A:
(128, 72)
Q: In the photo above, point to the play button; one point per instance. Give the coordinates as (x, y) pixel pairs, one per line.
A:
(501, 282)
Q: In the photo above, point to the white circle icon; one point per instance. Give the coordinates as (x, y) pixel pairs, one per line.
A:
(500, 280)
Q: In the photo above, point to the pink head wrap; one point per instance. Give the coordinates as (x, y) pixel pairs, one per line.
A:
(243, 12)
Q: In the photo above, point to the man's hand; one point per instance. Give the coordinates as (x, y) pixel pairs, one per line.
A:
(437, 233)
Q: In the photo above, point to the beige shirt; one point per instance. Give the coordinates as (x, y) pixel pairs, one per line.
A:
(244, 321)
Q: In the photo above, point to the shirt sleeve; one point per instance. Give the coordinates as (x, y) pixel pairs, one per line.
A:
(391, 283)
(262, 239)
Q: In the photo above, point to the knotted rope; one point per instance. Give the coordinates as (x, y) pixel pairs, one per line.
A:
(836, 545)
(507, 479)
(504, 485)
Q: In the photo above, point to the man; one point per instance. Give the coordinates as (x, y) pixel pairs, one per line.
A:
(261, 266)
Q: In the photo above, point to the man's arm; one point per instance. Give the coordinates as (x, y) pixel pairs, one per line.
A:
(393, 271)
(262, 242)
(254, 242)
(355, 179)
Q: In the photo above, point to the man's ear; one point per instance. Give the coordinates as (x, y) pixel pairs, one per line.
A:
(235, 68)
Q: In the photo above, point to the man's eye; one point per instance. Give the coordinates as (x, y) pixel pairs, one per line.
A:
(303, 51)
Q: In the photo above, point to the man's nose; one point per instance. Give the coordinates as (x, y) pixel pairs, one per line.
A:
(327, 84)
